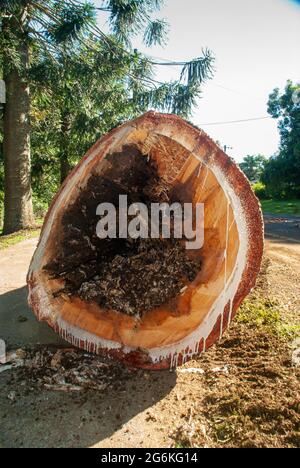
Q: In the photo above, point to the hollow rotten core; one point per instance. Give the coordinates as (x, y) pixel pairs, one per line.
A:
(131, 276)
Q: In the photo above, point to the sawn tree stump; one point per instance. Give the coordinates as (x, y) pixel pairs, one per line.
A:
(188, 164)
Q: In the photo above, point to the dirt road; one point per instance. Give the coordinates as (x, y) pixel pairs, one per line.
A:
(245, 391)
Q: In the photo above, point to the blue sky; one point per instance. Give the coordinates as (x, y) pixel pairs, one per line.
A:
(256, 44)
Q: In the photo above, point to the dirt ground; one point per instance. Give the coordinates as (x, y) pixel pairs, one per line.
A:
(244, 392)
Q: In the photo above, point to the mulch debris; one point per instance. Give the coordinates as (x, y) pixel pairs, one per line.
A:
(65, 370)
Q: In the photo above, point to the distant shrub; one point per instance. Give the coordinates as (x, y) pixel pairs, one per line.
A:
(260, 190)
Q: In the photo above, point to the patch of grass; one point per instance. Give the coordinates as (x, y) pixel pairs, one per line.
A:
(180, 445)
(15, 238)
(224, 431)
(260, 312)
(291, 207)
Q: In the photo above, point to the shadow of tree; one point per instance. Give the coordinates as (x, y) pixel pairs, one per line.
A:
(41, 418)
(54, 419)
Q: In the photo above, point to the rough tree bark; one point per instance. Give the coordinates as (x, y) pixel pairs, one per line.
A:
(18, 212)
(65, 165)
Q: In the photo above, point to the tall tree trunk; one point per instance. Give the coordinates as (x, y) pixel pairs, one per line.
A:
(65, 168)
(65, 165)
(18, 212)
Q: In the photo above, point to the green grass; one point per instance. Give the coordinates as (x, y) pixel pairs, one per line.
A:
(12, 239)
(16, 237)
(261, 313)
(281, 207)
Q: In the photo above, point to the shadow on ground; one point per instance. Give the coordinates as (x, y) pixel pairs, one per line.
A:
(34, 418)
(281, 240)
(31, 417)
(18, 325)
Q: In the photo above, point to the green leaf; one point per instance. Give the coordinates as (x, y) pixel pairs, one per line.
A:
(200, 69)
(73, 20)
(156, 33)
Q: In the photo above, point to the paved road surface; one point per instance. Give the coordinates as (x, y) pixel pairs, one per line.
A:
(283, 228)
(18, 326)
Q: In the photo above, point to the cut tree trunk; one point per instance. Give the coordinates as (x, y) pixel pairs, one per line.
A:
(18, 212)
(189, 167)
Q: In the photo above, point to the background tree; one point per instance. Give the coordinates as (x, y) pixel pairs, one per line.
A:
(59, 29)
(253, 167)
(24, 21)
(282, 171)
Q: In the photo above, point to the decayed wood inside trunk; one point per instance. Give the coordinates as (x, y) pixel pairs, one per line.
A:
(131, 276)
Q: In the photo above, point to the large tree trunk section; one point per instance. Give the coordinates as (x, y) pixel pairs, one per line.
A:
(18, 212)
(196, 170)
